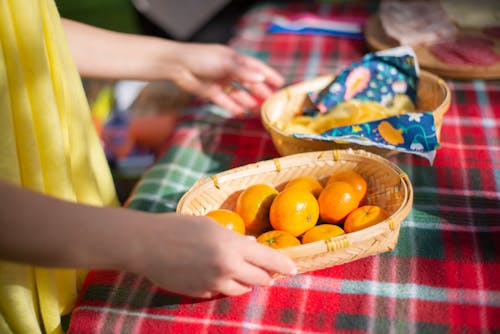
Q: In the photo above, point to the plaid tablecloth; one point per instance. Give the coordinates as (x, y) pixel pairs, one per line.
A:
(443, 276)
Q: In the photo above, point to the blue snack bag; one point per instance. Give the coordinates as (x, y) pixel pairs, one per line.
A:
(378, 77)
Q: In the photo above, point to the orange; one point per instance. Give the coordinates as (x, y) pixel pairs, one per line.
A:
(336, 201)
(278, 239)
(228, 219)
(354, 178)
(322, 232)
(253, 205)
(363, 217)
(307, 183)
(294, 211)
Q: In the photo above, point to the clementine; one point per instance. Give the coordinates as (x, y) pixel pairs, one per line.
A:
(363, 217)
(278, 239)
(321, 232)
(336, 201)
(253, 205)
(307, 183)
(228, 219)
(294, 211)
(354, 178)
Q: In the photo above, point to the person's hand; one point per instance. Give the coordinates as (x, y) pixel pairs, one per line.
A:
(197, 257)
(211, 70)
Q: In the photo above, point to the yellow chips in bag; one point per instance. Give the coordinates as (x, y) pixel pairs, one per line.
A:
(348, 113)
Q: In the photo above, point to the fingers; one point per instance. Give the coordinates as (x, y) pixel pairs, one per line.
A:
(242, 98)
(233, 288)
(250, 275)
(245, 277)
(246, 74)
(256, 266)
(223, 100)
(213, 92)
(258, 79)
(203, 295)
(255, 82)
(270, 260)
(253, 65)
(259, 90)
(229, 288)
(233, 99)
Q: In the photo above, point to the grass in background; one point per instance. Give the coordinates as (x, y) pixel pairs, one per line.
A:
(117, 15)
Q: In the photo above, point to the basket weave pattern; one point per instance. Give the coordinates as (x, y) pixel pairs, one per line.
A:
(388, 187)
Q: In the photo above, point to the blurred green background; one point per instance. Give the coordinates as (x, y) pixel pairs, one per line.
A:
(117, 15)
(122, 16)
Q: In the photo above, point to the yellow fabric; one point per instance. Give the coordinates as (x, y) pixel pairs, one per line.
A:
(48, 144)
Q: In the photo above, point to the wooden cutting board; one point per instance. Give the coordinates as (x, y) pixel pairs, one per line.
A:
(377, 40)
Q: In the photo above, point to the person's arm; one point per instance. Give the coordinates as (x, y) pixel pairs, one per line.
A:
(205, 70)
(184, 254)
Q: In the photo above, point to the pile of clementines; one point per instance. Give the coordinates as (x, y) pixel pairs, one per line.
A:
(304, 211)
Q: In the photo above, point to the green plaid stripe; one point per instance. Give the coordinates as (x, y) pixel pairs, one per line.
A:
(442, 276)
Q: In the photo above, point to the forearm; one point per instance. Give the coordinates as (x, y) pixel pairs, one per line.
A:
(45, 231)
(204, 70)
(102, 53)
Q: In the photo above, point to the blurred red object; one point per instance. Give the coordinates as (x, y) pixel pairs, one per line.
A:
(151, 131)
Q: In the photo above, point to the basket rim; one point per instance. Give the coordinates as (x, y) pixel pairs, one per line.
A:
(270, 126)
(276, 164)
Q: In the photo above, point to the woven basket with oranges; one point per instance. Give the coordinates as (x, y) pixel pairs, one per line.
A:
(320, 208)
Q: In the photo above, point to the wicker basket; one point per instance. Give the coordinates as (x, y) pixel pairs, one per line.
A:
(388, 187)
(432, 94)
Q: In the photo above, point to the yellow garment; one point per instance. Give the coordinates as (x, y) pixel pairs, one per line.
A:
(48, 144)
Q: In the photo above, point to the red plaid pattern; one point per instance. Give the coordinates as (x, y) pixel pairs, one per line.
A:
(441, 278)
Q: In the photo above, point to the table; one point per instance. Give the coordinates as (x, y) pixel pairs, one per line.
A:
(441, 278)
